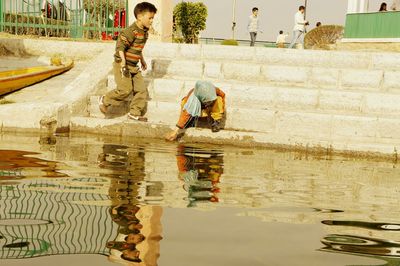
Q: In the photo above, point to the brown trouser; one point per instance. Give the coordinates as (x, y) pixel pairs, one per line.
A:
(125, 86)
(281, 45)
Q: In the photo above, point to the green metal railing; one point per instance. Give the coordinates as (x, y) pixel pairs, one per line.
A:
(218, 41)
(373, 25)
(92, 19)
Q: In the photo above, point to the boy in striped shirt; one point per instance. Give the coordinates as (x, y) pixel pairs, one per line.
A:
(128, 54)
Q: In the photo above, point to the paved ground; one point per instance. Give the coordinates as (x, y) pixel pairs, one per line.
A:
(10, 62)
(46, 91)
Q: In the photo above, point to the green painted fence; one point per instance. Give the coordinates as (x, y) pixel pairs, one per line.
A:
(92, 19)
(1, 15)
(373, 25)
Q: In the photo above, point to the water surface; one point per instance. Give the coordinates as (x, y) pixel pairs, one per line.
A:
(106, 201)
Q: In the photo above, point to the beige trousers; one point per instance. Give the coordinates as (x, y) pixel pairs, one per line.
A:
(125, 86)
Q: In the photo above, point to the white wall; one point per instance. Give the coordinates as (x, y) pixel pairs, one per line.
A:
(274, 16)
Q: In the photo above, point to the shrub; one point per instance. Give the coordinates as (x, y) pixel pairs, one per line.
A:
(323, 37)
(230, 42)
(190, 18)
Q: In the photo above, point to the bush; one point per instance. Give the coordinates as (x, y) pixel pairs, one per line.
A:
(230, 42)
(323, 37)
(190, 18)
(46, 25)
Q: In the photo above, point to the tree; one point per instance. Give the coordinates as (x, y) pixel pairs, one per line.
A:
(190, 18)
(99, 10)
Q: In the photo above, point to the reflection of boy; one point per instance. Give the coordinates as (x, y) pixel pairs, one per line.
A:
(134, 238)
(200, 176)
(131, 255)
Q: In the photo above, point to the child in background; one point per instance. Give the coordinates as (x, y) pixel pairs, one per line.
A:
(281, 39)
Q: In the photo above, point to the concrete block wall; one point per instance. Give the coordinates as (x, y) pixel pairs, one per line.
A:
(310, 58)
(279, 75)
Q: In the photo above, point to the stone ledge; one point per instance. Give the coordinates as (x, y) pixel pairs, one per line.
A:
(341, 145)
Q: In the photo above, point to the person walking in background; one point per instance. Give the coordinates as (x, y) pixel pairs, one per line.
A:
(383, 7)
(253, 26)
(299, 27)
(281, 39)
(395, 5)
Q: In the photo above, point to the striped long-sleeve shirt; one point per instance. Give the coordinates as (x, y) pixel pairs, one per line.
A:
(131, 41)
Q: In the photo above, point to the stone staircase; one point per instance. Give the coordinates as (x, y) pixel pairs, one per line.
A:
(328, 100)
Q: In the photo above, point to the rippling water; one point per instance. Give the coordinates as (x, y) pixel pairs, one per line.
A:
(103, 201)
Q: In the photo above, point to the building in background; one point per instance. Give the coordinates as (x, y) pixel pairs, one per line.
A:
(368, 28)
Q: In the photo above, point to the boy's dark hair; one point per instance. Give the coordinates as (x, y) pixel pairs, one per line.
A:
(255, 9)
(144, 7)
(302, 8)
(281, 32)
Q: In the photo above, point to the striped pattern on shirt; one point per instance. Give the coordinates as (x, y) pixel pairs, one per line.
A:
(131, 41)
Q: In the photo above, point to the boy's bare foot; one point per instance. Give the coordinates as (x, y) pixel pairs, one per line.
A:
(137, 118)
(102, 107)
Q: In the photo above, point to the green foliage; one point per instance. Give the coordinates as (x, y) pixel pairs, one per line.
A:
(98, 5)
(190, 18)
(177, 40)
(230, 42)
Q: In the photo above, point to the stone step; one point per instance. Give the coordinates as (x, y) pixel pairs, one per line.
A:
(296, 76)
(269, 56)
(285, 98)
(300, 130)
(299, 123)
(323, 124)
(270, 97)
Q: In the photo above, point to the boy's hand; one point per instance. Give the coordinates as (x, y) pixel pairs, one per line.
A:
(125, 72)
(173, 135)
(144, 64)
(123, 63)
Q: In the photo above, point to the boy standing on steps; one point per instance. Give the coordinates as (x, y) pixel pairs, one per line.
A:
(128, 54)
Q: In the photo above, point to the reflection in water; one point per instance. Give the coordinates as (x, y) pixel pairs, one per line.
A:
(140, 228)
(387, 250)
(40, 217)
(327, 210)
(366, 246)
(367, 225)
(110, 204)
(20, 164)
(200, 171)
